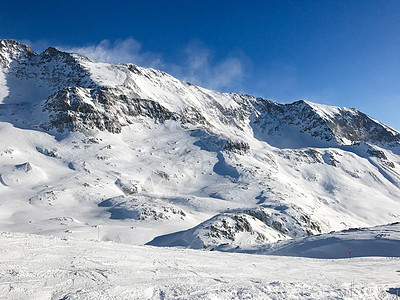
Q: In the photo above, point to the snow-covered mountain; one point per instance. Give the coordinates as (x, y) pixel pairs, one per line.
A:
(127, 154)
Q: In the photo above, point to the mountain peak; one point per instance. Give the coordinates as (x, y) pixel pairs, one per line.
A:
(12, 50)
(51, 51)
(350, 126)
(54, 53)
(10, 43)
(317, 125)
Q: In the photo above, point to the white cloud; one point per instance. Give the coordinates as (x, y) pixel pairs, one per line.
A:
(197, 64)
(118, 51)
(200, 67)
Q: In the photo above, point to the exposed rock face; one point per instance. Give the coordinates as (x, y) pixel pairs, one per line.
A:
(11, 50)
(101, 108)
(291, 221)
(239, 147)
(142, 208)
(244, 228)
(82, 95)
(341, 125)
(25, 167)
(224, 232)
(128, 187)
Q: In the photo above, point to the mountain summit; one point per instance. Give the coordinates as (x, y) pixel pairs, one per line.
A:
(135, 148)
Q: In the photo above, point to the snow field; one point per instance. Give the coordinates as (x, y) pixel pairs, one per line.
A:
(41, 267)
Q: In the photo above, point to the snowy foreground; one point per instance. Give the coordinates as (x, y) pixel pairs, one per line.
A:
(42, 267)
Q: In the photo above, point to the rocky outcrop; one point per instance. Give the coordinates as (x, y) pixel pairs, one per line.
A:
(140, 207)
(82, 109)
(224, 232)
(341, 125)
(11, 51)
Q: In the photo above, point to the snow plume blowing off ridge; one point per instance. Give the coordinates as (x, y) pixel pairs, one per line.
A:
(197, 65)
(118, 51)
(202, 69)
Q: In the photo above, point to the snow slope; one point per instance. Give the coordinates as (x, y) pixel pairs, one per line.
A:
(240, 233)
(363, 242)
(41, 267)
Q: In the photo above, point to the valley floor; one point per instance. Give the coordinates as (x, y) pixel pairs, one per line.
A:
(43, 267)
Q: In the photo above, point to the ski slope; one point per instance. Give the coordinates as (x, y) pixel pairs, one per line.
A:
(43, 267)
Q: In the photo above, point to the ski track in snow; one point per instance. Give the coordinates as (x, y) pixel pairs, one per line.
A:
(39, 267)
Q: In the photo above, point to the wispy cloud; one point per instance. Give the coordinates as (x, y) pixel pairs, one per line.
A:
(118, 51)
(197, 64)
(200, 67)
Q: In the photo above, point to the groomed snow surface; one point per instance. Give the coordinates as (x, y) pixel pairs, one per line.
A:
(43, 267)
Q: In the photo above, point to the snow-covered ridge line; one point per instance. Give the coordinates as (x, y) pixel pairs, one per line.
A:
(216, 112)
(145, 155)
(11, 50)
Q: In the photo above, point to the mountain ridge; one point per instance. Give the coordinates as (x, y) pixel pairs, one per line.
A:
(328, 122)
(130, 145)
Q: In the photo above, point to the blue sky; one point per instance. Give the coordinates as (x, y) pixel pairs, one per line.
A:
(343, 53)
